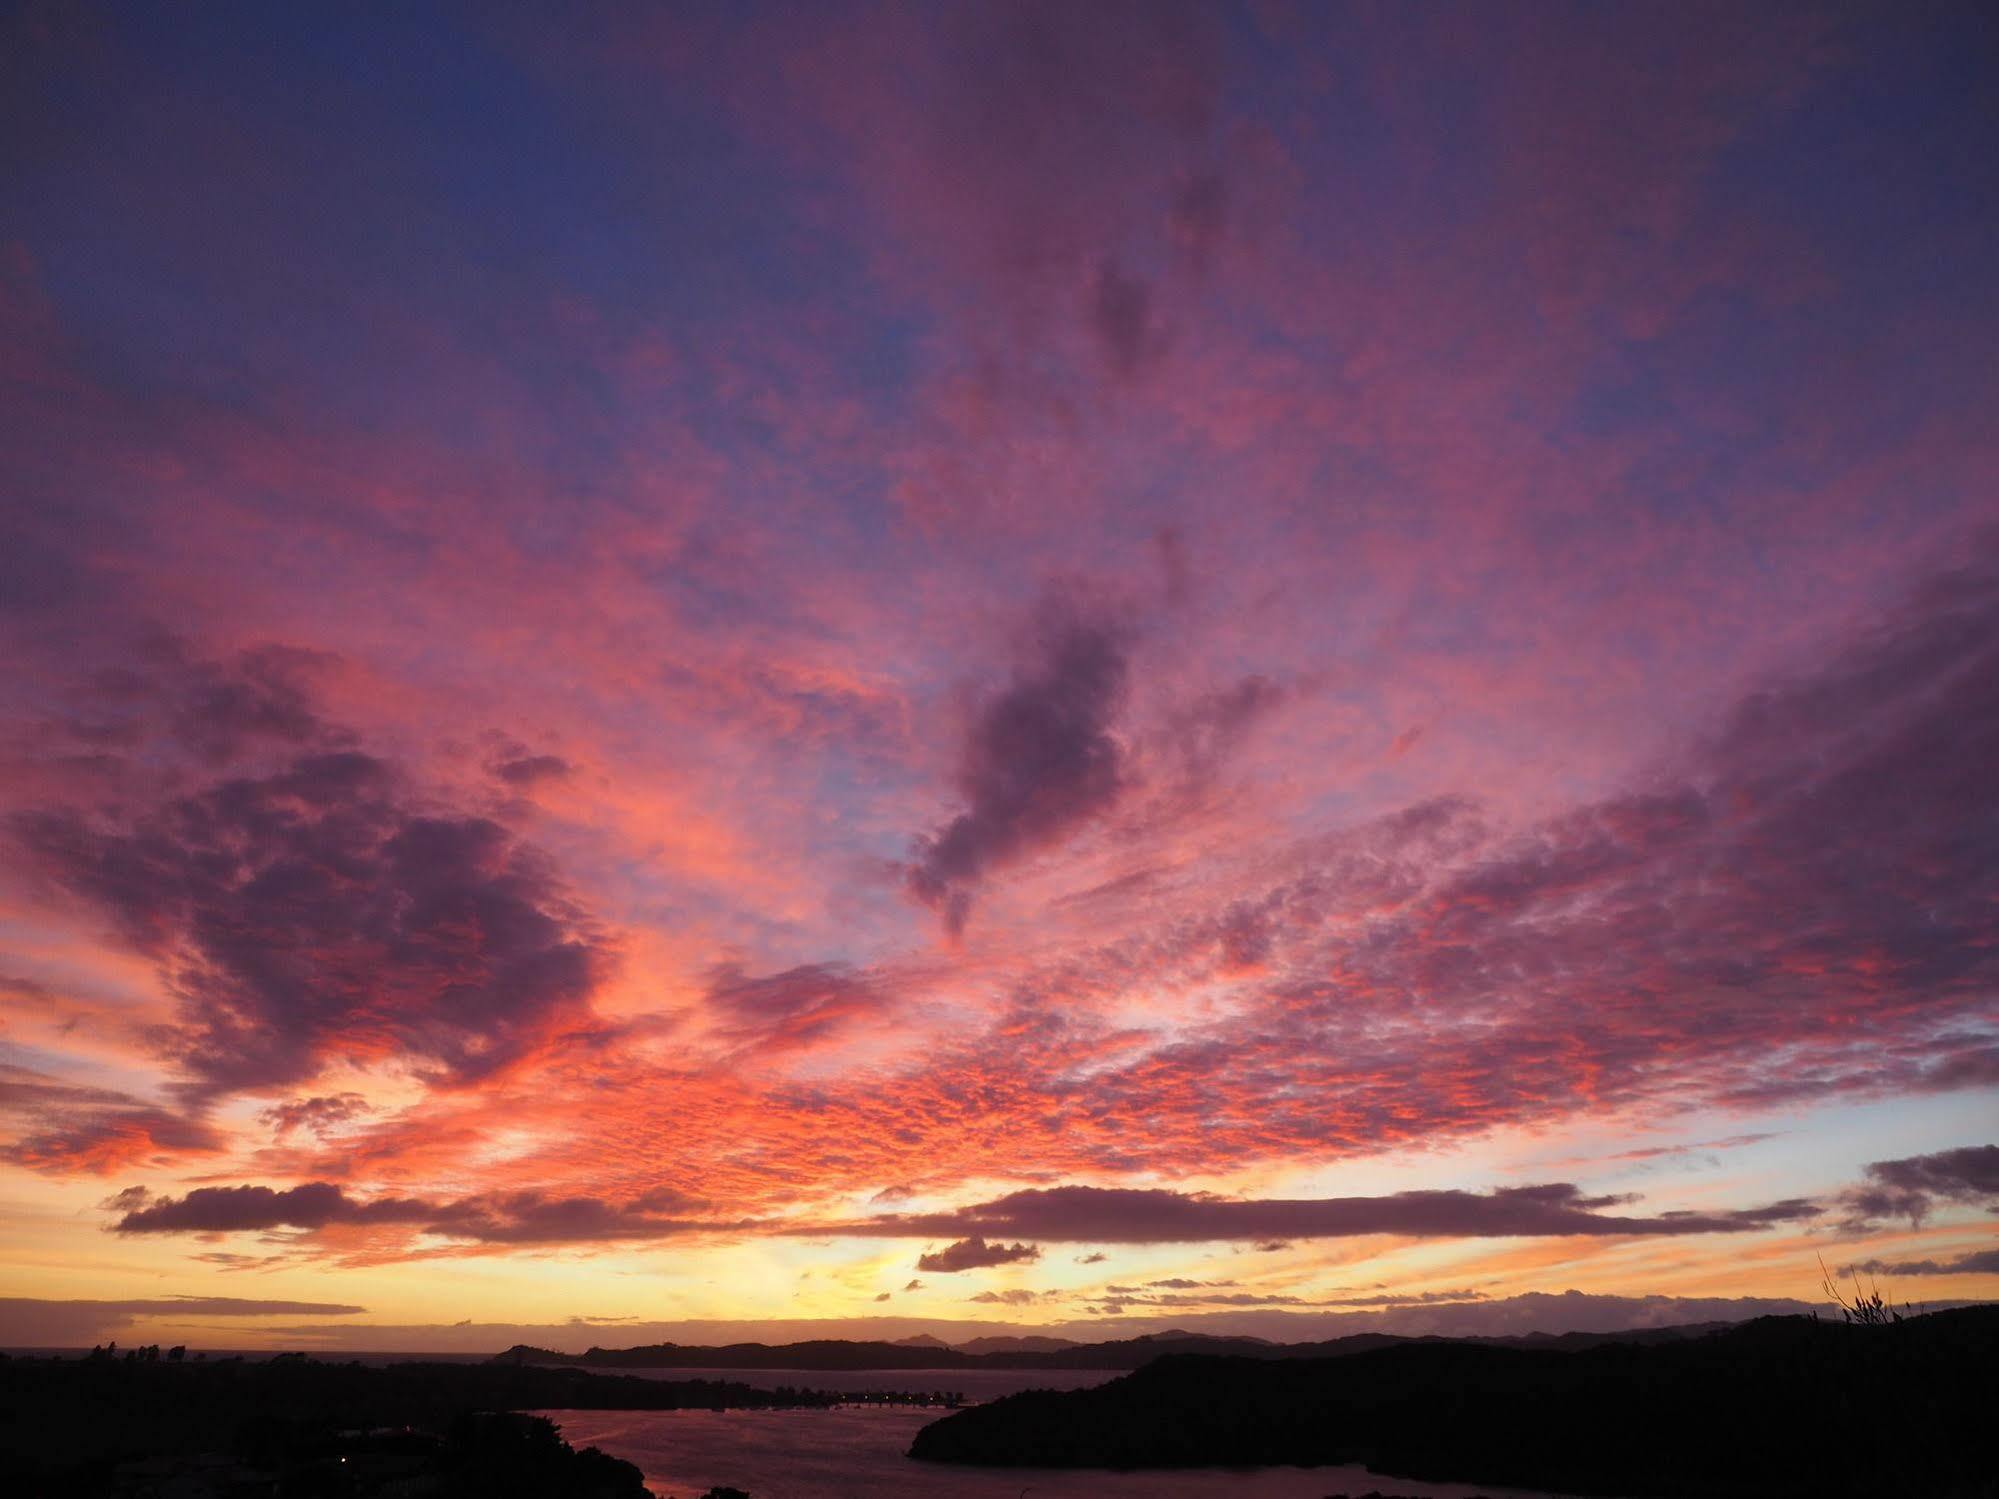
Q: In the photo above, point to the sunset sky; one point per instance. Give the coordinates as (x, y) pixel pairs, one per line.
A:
(677, 671)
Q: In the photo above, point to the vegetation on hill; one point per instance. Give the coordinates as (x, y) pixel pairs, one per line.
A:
(297, 1426)
(1778, 1406)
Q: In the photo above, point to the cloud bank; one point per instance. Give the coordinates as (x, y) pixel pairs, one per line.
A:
(1135, 1215)
(1915, 1186)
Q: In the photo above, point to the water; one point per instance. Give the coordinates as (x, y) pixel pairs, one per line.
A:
(857, 1453)
(976, 1385)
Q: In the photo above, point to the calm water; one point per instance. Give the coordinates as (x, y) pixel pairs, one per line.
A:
(858, 1454)
(974, 1384)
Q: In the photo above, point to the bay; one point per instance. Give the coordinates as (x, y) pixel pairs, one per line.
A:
(975, 1385)
(857, 1452)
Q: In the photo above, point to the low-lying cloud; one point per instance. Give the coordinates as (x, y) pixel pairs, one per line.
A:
(976, 1254)
(1155, 1215)
(34, 1322)
(1104, 1215)
(1978, 1262)
(490, 1218)
(1914, 1186)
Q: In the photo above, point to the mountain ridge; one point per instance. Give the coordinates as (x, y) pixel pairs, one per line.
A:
(1124, 1354)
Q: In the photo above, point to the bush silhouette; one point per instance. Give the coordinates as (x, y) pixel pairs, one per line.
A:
(1868, 1309)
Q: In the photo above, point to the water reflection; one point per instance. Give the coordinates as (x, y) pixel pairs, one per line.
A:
(857, 1453)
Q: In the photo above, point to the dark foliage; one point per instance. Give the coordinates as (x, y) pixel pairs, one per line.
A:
(1867, 1308)
(1782, 1405)
(297, 1426)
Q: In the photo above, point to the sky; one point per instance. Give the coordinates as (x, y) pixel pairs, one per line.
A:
(721, 669)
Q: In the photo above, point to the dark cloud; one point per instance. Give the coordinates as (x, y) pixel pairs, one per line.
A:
(532, 770)
(1978, 1262)
(1388, 865)
(60, 1127)
(1208, 731)
(1152, 1215)
(1819, 877)
(1243, 938)
(314, 1114)
(1013, 1297)
(103, 1140)
(230, 1209)
(790, 1010)
(1200, 216)
(1040, 761)
(38, 575)
(669, 1200)
(223, 1259)
(882, 1296)
(206, 1306)
(491, 1218)
(322, 911)
(914, 1285)
(1062, 132)
(976, 1254)
(260, 697)
(1176, 571)
(215, 711)
(22, 1088)
(1122, 1298)
(29, 1322)
(1674, 1152)
(536, 1218)
(1420, 1298)
(1913, 1186)
(1121, 315)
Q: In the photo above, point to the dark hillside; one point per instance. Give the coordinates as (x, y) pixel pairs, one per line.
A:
(1124, 1353)
(1776, 1406)
(67, 1425)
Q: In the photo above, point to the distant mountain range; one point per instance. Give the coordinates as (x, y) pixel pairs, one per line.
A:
(1017, 1345)
(1030, 1352)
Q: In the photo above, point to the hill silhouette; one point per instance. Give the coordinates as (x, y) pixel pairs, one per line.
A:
(71, 1426)
(1781, 1405)
(1034, 1353)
